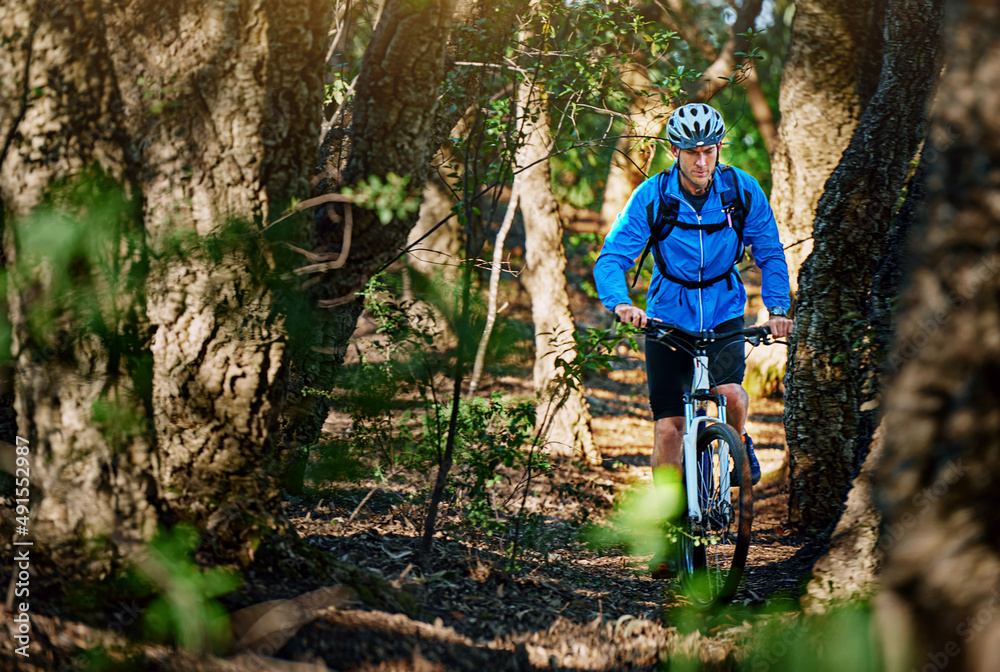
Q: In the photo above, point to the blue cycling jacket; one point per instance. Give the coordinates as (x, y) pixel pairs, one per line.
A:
(693, 255)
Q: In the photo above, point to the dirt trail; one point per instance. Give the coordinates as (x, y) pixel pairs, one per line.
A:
(574, 609)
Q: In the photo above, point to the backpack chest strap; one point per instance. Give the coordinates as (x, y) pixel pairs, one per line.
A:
(663, 217)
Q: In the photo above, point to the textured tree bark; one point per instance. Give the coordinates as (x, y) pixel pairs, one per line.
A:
(392, 130)
(853, 218)
(937, 488)
(851, 565)
(820, 104)
(219, 356)
(202, 110)
(389, 128)
(849, 569)
(59, 110)
(544, 277)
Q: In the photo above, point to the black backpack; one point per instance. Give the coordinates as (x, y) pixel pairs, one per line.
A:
(734, 204)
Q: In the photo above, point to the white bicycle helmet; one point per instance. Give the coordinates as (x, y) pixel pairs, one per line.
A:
(695, 125)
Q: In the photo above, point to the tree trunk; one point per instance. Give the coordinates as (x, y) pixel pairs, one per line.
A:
(544, 277)
(822, 405)
(219, 356)
(938, 484)
(440, 248)
(60, 115)
(820, 104)
(761, 110)
(391, 127)
(633, 156)
(191, 108)
(849, 569)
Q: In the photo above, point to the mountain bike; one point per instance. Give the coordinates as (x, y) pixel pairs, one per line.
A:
(713, 537)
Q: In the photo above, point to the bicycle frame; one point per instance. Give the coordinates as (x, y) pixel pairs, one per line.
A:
(696, 401)
(695, 415)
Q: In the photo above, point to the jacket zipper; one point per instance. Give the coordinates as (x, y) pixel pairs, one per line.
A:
(701, 266)
(701, 273)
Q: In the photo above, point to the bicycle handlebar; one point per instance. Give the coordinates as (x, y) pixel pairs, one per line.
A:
(755, 335)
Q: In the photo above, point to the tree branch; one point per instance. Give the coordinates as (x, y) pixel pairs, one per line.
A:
(717, 75)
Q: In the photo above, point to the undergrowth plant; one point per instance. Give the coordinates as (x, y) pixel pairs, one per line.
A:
(404, 421)
(182, 607)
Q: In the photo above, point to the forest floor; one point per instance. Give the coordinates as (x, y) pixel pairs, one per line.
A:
(575, 607)
(569, 604)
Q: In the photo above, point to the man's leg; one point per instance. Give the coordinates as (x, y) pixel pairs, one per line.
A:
(668, 435)
(737, 403)
(667, 369)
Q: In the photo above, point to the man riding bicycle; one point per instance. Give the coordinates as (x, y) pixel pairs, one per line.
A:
(695, 218)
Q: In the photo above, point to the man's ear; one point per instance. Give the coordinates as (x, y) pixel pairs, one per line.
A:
(675, 150)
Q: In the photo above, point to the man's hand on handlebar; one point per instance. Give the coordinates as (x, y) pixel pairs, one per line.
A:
(780, 327)
(629, 314)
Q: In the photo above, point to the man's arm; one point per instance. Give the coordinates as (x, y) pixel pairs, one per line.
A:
(622, 245)
(761, 233)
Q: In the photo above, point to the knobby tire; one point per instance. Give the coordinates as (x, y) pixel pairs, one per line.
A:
(710, 571)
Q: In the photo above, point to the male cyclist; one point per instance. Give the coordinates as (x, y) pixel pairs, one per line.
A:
(695, 216)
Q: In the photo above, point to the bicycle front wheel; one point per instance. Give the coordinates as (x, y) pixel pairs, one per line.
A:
(713, 550)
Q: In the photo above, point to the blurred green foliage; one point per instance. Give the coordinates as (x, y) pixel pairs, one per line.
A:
(182, 608)
(844, 638)
(82, 260)
(642, 517)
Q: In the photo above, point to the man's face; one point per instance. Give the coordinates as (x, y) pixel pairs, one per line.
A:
(697, 166)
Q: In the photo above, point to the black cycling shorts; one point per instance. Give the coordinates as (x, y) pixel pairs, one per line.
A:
(669, 370)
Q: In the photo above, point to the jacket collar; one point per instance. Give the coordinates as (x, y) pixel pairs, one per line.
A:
(672, 186)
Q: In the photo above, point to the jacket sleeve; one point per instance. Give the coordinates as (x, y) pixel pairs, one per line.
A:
(622, 245)
(761, 233)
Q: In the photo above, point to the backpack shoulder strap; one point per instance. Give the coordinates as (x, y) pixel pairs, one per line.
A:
(735, 203)
(732, 197)
(662, 217)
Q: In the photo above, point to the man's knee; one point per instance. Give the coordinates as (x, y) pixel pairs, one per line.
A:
(669, 428)
(735, 394)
